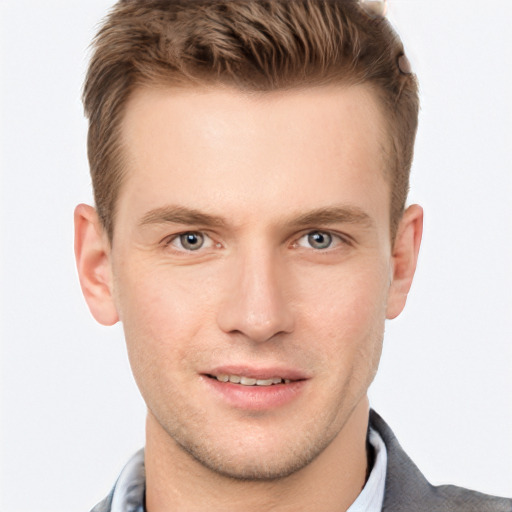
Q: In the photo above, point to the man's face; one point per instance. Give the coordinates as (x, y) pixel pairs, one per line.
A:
(252, 242)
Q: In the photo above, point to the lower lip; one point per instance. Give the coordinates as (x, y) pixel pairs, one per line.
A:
(255, 398)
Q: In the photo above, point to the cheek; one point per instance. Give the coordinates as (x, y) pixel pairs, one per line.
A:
(351, 299)
(345, 316)
(162, 312)
(156, 296)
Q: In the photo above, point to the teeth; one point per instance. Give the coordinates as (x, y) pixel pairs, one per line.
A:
(249, 381)
(264, 382)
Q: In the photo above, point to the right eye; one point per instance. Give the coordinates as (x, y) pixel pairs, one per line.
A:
(190, 241)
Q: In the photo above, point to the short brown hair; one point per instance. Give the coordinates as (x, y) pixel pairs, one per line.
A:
(254, 45)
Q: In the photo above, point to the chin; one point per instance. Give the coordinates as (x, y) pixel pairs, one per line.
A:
(256, 470)
(250, 463)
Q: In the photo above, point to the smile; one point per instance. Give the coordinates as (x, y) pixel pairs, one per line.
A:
(255, 389)
(250, 381)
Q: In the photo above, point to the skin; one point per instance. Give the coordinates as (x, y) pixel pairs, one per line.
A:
(260, 179)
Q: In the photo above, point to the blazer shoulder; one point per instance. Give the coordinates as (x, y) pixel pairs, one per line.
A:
(407, 489)
(455, 498)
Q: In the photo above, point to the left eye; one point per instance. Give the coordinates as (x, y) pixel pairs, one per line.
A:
(318, 240)
(191, 241)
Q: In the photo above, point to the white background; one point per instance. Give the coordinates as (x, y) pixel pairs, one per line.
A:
(70, 412)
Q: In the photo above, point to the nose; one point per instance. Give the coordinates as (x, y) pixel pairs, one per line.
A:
(255, 304)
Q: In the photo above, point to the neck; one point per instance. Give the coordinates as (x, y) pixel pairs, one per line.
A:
(176, 482)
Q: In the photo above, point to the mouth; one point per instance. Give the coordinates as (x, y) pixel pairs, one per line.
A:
(249, 381)
(255, 389)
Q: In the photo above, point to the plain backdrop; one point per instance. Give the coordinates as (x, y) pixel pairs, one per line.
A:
(70, 413)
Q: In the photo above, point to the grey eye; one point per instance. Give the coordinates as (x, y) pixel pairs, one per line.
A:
(192, 241)
(319, 240)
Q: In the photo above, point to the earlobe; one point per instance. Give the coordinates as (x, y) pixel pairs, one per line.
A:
(92, 254)
(405, 257)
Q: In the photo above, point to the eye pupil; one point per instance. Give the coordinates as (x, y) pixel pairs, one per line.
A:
(319, 240)
(192, 241)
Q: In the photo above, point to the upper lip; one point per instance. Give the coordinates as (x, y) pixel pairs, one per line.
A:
(268, 372)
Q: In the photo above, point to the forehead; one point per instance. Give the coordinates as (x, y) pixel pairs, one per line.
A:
(205, 111)
(223, 148)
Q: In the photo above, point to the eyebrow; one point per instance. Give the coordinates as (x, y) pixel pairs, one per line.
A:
(181, 215)
(333, 215)
(316, 217)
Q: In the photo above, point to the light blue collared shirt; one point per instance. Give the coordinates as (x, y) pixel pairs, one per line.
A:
(372, 495)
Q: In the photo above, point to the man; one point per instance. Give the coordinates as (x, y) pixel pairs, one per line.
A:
(250, 165)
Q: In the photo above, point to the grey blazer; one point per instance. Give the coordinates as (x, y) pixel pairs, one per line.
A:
(407, 490)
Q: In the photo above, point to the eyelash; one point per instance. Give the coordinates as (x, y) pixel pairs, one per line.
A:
(167, 242)
(336, 239)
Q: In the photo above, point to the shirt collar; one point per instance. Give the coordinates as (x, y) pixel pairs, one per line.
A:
(372, 495)
(130, 490)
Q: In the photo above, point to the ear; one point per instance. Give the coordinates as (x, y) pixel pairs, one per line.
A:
(92, 253)
(404, 259)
